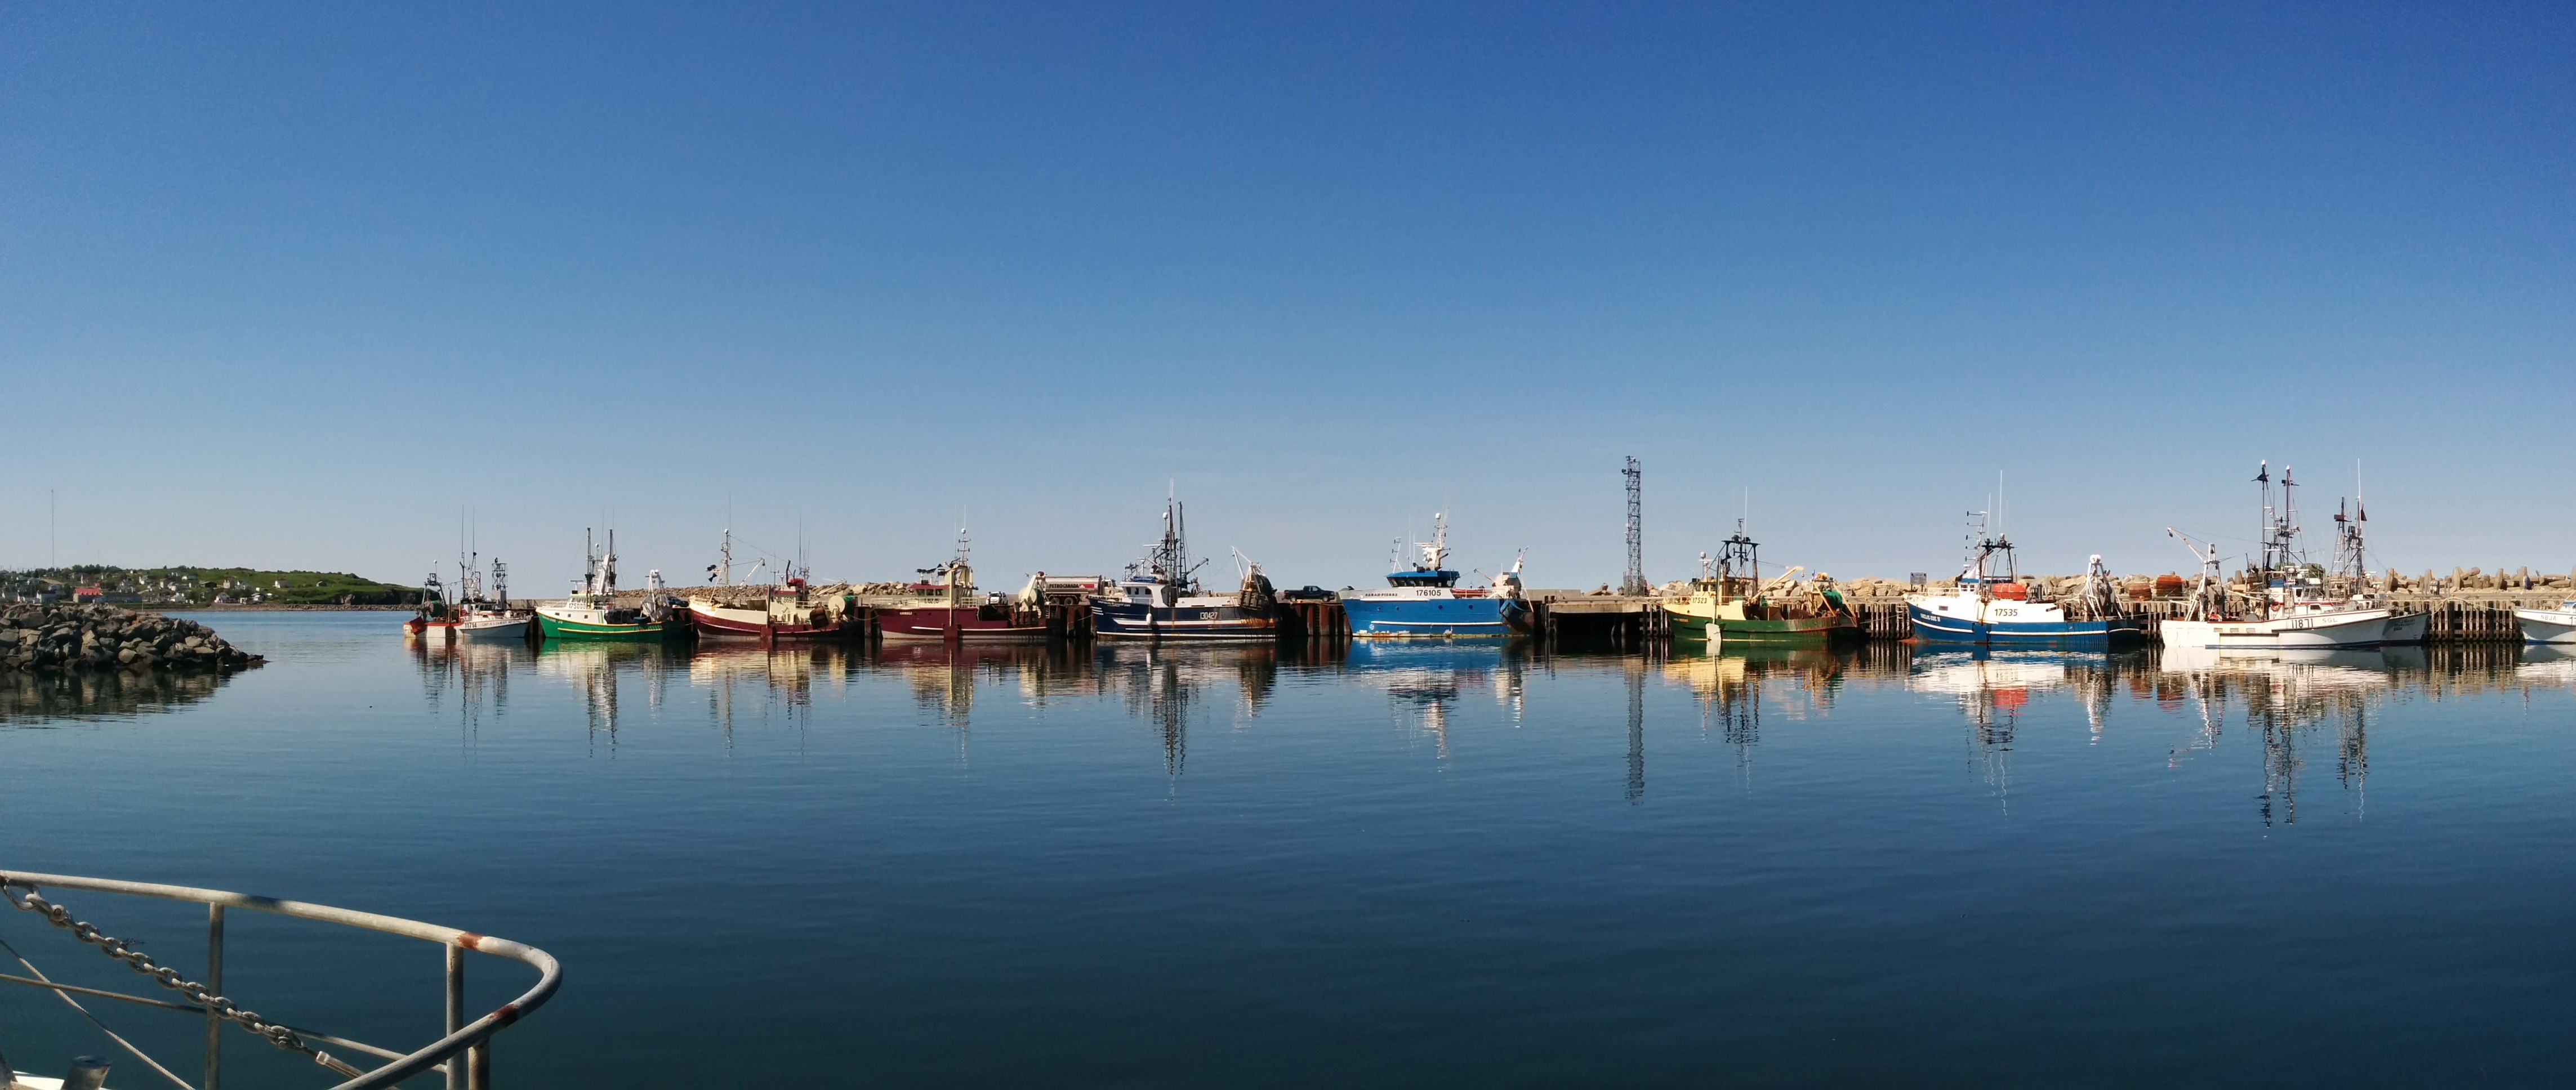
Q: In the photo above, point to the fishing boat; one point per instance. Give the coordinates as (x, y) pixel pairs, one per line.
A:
(2293, 609)
(435, 620)
(1731, 603)
(1990, 605)
(592, 613)
(1160, 597)
(2557, 626)
(1426, 602)
(468, 613)
(491, 618)
(788, 610)
(2351, 578)
(945, 606)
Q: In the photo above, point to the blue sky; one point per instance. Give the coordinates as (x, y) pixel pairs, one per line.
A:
(302, 285)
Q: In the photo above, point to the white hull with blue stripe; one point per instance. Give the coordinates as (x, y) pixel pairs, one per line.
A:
(1965, 619)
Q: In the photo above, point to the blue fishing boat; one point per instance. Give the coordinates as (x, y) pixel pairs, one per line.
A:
(1426, 602)
(1991, 606)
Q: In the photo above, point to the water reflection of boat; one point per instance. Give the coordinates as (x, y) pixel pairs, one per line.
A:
(1733, 687)
(1426, 680)
(2284, 697)
(1994, 689)
(475, 673)
(1167, 685)
(596, 669)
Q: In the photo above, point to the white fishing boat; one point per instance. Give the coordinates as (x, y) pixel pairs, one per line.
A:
(2556, 626)
(491, 618)
(2295, 609)
(1989, 605)
(469, 615)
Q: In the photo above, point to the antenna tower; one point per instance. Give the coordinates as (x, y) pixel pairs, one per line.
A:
(1635, 583)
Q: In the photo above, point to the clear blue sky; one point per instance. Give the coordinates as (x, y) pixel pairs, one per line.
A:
(299, 285)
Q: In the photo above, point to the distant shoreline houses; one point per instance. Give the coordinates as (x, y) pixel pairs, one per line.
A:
(184, 587)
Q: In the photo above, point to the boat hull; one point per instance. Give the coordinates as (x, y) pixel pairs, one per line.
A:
(567, 628)
(1120, 620)
(430, 631)
(1935, 627)
(2408, 628)
(1800, 630)
(1432, 618)
(2310, 632)
(968, 624)
(729, 622)
(496, 629)
(2550, 626)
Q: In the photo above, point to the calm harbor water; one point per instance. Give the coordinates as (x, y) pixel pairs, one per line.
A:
(1462, 865)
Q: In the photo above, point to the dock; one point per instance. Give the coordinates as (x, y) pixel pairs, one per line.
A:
(1577, 619)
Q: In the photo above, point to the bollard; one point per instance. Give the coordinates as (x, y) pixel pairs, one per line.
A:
(87, 1073)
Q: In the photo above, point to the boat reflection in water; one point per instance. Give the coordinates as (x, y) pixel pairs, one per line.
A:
(2288, 700)
(2292, 704)
(1166, 685)
(597, 668)
(473, 675)
(1733, 685)
(1994, 689)
(1424, 680)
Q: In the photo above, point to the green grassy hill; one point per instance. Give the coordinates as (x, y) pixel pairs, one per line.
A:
(185, 585)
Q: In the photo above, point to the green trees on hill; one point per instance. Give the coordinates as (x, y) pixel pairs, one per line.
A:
(186, 585)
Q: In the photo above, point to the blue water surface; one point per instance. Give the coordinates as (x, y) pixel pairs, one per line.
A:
(1469, 865)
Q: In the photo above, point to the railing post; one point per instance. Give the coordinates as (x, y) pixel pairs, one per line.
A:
(455, 1012)
(87, 1073)
(215, 984)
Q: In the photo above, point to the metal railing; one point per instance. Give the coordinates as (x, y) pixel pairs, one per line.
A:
(468, 1040)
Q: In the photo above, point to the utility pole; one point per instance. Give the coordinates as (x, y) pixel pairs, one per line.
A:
(1636, 580)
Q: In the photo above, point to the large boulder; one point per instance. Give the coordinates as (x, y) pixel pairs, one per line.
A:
(36, 637)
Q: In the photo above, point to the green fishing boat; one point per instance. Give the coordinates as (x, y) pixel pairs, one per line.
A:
(1731, 598)
(592, 613)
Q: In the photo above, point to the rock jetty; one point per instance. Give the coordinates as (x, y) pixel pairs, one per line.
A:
(107, 638)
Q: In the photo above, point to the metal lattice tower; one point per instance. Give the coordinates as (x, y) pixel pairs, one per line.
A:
(1636, 580)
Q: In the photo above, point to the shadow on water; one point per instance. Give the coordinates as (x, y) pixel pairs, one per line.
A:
(30, 699)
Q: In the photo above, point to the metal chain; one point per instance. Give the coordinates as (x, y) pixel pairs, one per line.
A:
(167, 977)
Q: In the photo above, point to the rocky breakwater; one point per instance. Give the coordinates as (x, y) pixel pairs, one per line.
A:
(107, 638)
